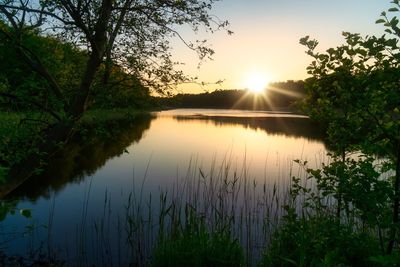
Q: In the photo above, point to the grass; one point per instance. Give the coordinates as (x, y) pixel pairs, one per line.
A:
(218, 217)
(196, 246)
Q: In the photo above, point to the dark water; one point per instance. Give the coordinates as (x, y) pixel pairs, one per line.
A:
(86, 189)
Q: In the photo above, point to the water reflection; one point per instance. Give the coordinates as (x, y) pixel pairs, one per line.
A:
(83, 156)
(172, 141)
(284, 125)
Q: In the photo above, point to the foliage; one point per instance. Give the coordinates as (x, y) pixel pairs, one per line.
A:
(353, 91)
(196, 246)
(317, 237)
(18, 133)
(26, 89)
(123, 90)
(65, 62)
(318, 241)
(366, 191)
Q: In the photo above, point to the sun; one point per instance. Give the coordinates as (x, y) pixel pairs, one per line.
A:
(256, 83)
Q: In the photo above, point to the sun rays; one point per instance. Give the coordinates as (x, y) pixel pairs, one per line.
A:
(268, 97)
(256, 82)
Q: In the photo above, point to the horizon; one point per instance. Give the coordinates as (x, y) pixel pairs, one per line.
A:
(265, 41)
(265, 89)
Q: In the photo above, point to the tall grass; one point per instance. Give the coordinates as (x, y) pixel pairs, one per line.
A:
(218, 204)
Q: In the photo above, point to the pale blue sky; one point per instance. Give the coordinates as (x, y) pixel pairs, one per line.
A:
(266, 37)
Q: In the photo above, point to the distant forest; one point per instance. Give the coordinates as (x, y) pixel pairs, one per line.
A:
(278, 96)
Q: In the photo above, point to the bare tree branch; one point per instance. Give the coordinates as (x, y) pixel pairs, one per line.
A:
(37, 11)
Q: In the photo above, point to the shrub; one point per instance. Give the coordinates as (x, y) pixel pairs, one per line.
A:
(319, 241)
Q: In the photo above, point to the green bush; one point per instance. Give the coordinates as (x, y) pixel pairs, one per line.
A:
(319, 241)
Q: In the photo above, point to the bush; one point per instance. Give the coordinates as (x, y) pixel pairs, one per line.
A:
(319, 241)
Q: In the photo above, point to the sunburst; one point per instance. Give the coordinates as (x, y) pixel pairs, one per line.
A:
(256, 83)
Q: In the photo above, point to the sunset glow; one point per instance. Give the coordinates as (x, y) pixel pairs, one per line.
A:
(256, 83)
(259, 44)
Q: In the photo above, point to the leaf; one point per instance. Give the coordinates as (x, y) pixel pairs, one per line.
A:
(380, 21)
(393, 9)
(26, 213)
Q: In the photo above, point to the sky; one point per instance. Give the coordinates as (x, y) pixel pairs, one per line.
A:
(265, 44)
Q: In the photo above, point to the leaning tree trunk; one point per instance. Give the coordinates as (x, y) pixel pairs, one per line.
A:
(79, 104)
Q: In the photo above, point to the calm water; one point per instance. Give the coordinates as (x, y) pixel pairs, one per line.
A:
(155, 155)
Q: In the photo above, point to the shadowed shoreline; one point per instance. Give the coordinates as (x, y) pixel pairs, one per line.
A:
(280, 125)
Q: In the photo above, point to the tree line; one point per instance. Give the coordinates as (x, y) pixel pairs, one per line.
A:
(278, 96)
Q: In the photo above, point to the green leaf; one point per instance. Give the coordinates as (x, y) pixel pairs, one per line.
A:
(380, 21)
(26, 213)
(393, 9)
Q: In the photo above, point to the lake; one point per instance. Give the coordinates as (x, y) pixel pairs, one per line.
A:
(103, 186)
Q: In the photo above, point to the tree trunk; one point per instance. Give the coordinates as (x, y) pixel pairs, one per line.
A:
(107, 69)
(79, 104)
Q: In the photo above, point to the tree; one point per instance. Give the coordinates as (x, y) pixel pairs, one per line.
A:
(32, 92)
(134, 34)
(354, 90)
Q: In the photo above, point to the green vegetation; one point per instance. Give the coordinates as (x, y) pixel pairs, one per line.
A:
(195, 246)
(348, 214)
(315, 236)
(350, 217)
